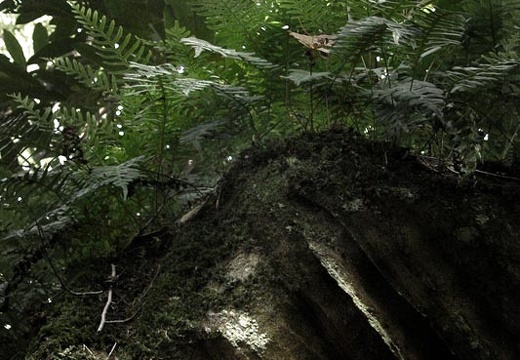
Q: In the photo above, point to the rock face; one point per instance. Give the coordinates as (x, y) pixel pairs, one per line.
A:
(324, 247)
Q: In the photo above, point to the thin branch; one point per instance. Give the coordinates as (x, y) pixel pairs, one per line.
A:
(140, 307)
(111, 351)
(127, 319)
(109, 299)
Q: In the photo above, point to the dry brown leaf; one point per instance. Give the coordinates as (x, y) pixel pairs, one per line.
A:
(315, 42)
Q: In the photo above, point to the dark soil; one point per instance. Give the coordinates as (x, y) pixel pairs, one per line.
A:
(325, 246)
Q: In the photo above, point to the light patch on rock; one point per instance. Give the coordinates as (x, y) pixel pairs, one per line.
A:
(239, 328)
(343, 280)
(243, 265)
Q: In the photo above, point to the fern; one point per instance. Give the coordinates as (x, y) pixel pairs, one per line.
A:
(31, 131)
(171, 47)
(299, 77)
(186, 86)
(371, 34)
(115, 48)
(411, 99)
(63, 189)
(489, 24)
(144, 77)
(94, 79)
(117, 175)
(437, 30)
(40, 123)
(197, 134)
(18, 133)
(31, 111)
(480, 78)
(41, 227)
(201, 45)
(37, 182)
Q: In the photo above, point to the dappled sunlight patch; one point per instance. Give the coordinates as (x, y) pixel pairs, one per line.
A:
(239, 328)
(243, 266)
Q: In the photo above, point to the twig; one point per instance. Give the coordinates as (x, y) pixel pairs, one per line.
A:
(109, 299)
(127, 319)
(111, 351)
(140, 297)
(90, 351)
(497, 175)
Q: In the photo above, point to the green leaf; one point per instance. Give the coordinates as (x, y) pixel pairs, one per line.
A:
(40, 37)
(14, 48)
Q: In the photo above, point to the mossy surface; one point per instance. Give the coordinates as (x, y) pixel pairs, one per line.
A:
(432, 263)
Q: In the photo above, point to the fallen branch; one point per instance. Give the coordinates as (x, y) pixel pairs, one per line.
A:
(103, 315)
(111, 351)
(109, 299)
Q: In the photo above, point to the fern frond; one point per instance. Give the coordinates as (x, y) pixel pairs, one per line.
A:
(110, 42)
(31, 130)
(38, 127)
(12, 129)
(202, 45)
(408, 97)
(40, 183)
(93, 79)
(47, 226)
(489, 24)
(186, 86)
(437, 30)
(97, 133)
(371, 35)
(120, 176)
(197, 134)
(299, 77)
(31, 111)
(479, 78)
(18, 133)
(147, 80)
(389, 9)
(144, 75)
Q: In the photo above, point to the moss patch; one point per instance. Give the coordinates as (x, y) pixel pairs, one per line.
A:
(292, 227)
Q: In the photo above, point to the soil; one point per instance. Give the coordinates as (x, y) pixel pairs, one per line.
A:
(325, 246)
